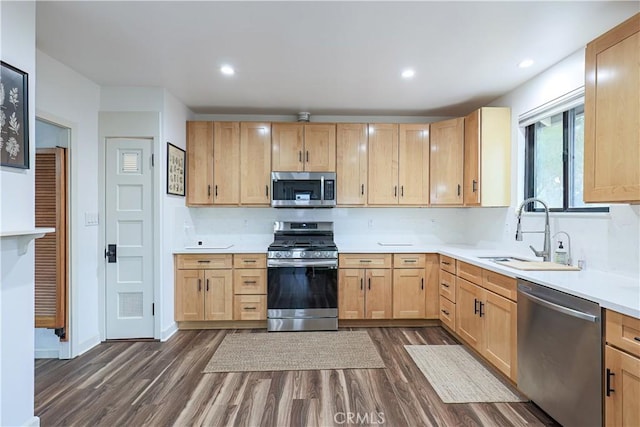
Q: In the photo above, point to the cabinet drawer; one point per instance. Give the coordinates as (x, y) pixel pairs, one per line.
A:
(623, 332)
(249, 307)
(448, 286)
(250, 261)
(204, 261)
(251, 281)
(500, 284)
(472, 273)
(409, 260)
(364, 260)
(448, 264)
(448, 313)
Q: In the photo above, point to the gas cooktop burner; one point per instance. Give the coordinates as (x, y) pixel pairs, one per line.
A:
(292, 241)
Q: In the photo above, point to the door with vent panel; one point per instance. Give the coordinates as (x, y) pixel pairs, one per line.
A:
(129, 234)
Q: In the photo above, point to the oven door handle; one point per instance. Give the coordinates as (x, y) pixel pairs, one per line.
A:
(305, 263)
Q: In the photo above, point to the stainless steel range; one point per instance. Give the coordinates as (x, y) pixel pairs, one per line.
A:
(302, 283)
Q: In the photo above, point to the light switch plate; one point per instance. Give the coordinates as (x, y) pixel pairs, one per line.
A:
(91, 218)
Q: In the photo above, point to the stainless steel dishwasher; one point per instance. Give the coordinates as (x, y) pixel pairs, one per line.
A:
(560, 354)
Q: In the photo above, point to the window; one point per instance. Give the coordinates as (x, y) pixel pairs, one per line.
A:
(554, 157)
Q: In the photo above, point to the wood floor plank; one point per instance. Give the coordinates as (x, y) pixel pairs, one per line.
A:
(162, 384)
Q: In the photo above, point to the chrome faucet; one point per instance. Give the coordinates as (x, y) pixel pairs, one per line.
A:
(546, 252)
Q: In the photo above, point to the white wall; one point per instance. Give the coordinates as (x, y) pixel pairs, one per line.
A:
(175, 132)
(17, 203)
(70, 99)
(608, 242)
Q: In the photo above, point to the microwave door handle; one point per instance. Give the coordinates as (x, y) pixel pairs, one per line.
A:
(322, 189)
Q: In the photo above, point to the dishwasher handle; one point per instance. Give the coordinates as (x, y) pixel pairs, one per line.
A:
(560, 308)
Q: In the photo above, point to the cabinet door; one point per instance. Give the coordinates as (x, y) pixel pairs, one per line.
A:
(408, 293)
(351, 164)
(250, 281)
(350, 293)
(287, 147)
(250, 307)
(378, 290)
(432, 286)
(413, 157)
(226, 163)
(320, 147)
(500, 325)
(612, 115)
(468, 321)
(218, 302)
(255, 163)
(383, 164)
(622, 405)
(447, 162)
(199, 163)
(471, 187)
(189, 303)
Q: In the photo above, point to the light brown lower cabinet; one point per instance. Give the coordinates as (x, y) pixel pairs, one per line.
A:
(622, 370)
(203, 295)
(249, 287)
(487, 322)
(364, 293)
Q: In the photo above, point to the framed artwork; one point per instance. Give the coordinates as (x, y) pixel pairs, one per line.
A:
(14, 117)
(175, 170)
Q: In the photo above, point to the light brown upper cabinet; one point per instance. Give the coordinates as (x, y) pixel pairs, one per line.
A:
(413, 169)
(226, 163)
(303, 147)
(612, 115)
(351, 163)
(199, 163)
(487, 157)
(398, 164)
(447, 162)
(255, 163)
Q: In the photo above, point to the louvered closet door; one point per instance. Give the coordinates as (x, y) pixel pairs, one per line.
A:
(51, 250)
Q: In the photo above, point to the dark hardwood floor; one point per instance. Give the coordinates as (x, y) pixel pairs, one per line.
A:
(158, 384)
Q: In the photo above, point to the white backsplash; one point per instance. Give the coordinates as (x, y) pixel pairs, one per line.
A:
(608, 242)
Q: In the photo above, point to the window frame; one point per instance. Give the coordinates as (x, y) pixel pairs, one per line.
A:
(568, 127)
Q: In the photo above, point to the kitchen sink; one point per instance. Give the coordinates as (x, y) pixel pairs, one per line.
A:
(503, 258)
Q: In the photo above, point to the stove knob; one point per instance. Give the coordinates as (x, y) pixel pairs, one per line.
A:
(278, 254)
(303, 254)
(288, 254)
(317, 254)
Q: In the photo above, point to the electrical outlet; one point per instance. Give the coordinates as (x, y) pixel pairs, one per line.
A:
(370, 224)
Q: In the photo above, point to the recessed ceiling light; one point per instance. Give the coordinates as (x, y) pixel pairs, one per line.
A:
(227, 70)
(525, 63)
(408, 73)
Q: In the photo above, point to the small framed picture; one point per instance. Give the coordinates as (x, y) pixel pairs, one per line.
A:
(175, 170)
(14, 117)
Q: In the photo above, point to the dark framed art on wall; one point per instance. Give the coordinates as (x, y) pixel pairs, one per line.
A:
(14, 117)
(175, 170)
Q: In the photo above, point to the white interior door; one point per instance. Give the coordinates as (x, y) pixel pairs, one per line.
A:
(129, 226)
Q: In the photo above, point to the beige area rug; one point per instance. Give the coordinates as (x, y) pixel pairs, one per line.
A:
(295, 351)
(457, 376)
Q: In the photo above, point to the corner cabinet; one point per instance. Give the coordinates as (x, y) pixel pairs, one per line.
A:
(255, 163)
(447, 162)
(612, 115)
(487, 157)
(351, 164)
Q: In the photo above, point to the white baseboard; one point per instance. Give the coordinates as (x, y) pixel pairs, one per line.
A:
(87, 345)
(167, 333)
(47, 353)
(32, 422)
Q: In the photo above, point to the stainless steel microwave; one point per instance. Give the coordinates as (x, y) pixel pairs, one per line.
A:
(303, 189)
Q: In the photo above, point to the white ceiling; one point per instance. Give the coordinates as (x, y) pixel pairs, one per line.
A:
(341, 58)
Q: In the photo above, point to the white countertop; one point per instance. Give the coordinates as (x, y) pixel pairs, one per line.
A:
(611, 291)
